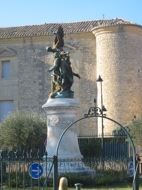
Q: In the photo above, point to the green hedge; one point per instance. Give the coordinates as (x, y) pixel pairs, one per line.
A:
(107, 178)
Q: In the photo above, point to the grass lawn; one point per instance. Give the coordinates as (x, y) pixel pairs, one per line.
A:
(97, 188)
(123, 186)
(113, 187)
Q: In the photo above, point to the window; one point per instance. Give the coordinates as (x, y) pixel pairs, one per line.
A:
(6, 107)
(6, 69)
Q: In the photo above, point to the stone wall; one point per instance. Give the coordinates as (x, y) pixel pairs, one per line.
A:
(34, 82)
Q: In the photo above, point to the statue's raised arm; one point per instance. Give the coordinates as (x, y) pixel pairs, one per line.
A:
(61, 71)
(59, 39)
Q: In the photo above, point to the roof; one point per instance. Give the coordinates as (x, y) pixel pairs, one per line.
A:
(72, 27)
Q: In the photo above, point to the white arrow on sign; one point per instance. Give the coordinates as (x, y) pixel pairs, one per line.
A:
(37, 171)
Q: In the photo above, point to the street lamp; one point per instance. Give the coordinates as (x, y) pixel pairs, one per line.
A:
(103, 109)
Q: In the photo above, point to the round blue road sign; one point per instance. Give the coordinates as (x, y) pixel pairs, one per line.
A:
(35, 170)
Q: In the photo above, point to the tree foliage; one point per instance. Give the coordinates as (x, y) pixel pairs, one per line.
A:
(22, 129)
(135, 129)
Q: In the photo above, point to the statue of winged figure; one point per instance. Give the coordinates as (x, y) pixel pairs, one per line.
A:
(61, 71)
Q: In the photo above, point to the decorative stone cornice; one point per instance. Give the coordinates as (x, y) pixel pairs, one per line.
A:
(7, 52)
(117, 28)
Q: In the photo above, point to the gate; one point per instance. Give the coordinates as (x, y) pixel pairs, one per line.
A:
(99, 113)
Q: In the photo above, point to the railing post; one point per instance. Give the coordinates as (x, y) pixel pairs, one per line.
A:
(1, 170)
(55, 173)
(136, 175)
(45, 184)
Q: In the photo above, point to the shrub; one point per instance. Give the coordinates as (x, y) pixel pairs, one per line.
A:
(22, 129)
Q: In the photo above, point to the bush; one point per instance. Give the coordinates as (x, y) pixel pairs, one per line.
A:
(18, 181)
(107, 178)
(86, 181)
(21, 130)
(23, 180)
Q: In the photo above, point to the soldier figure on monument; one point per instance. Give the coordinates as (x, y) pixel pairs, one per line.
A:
(61, 70)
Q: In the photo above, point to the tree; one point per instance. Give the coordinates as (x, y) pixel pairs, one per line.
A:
(135, 129)
(22, 130)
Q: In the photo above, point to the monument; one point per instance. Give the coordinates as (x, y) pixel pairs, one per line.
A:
(61, 109)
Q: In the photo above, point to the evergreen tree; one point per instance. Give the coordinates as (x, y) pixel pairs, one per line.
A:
(135, 129)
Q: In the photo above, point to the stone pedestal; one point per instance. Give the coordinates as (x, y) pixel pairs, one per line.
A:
(61, 113)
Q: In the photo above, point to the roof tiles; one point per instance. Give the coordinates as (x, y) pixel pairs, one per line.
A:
(72, 27)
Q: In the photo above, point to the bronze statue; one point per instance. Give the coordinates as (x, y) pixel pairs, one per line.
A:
(62, 74)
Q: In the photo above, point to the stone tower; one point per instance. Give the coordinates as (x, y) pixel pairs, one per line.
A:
(119, 55)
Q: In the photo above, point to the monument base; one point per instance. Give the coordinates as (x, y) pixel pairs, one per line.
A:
(69, 167)
(61, 113)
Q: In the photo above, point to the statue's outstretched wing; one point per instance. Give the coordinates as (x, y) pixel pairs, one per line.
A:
(59, 41)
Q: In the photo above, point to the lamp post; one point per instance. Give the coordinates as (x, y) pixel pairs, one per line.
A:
(103, 109)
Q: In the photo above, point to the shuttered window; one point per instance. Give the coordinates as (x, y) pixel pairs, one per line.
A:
(6, 69)
(6, 107)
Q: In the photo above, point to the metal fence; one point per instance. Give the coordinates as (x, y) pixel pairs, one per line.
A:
(113, 146)
(16, 166)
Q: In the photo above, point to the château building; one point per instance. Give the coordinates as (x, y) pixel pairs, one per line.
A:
(110, 48)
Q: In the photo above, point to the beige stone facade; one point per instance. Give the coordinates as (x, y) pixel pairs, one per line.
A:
(119, 63)
(111, 48)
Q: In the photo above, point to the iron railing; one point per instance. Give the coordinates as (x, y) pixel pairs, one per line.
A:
(14, 165)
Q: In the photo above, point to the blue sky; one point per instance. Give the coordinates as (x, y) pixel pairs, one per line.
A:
(31, 12)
